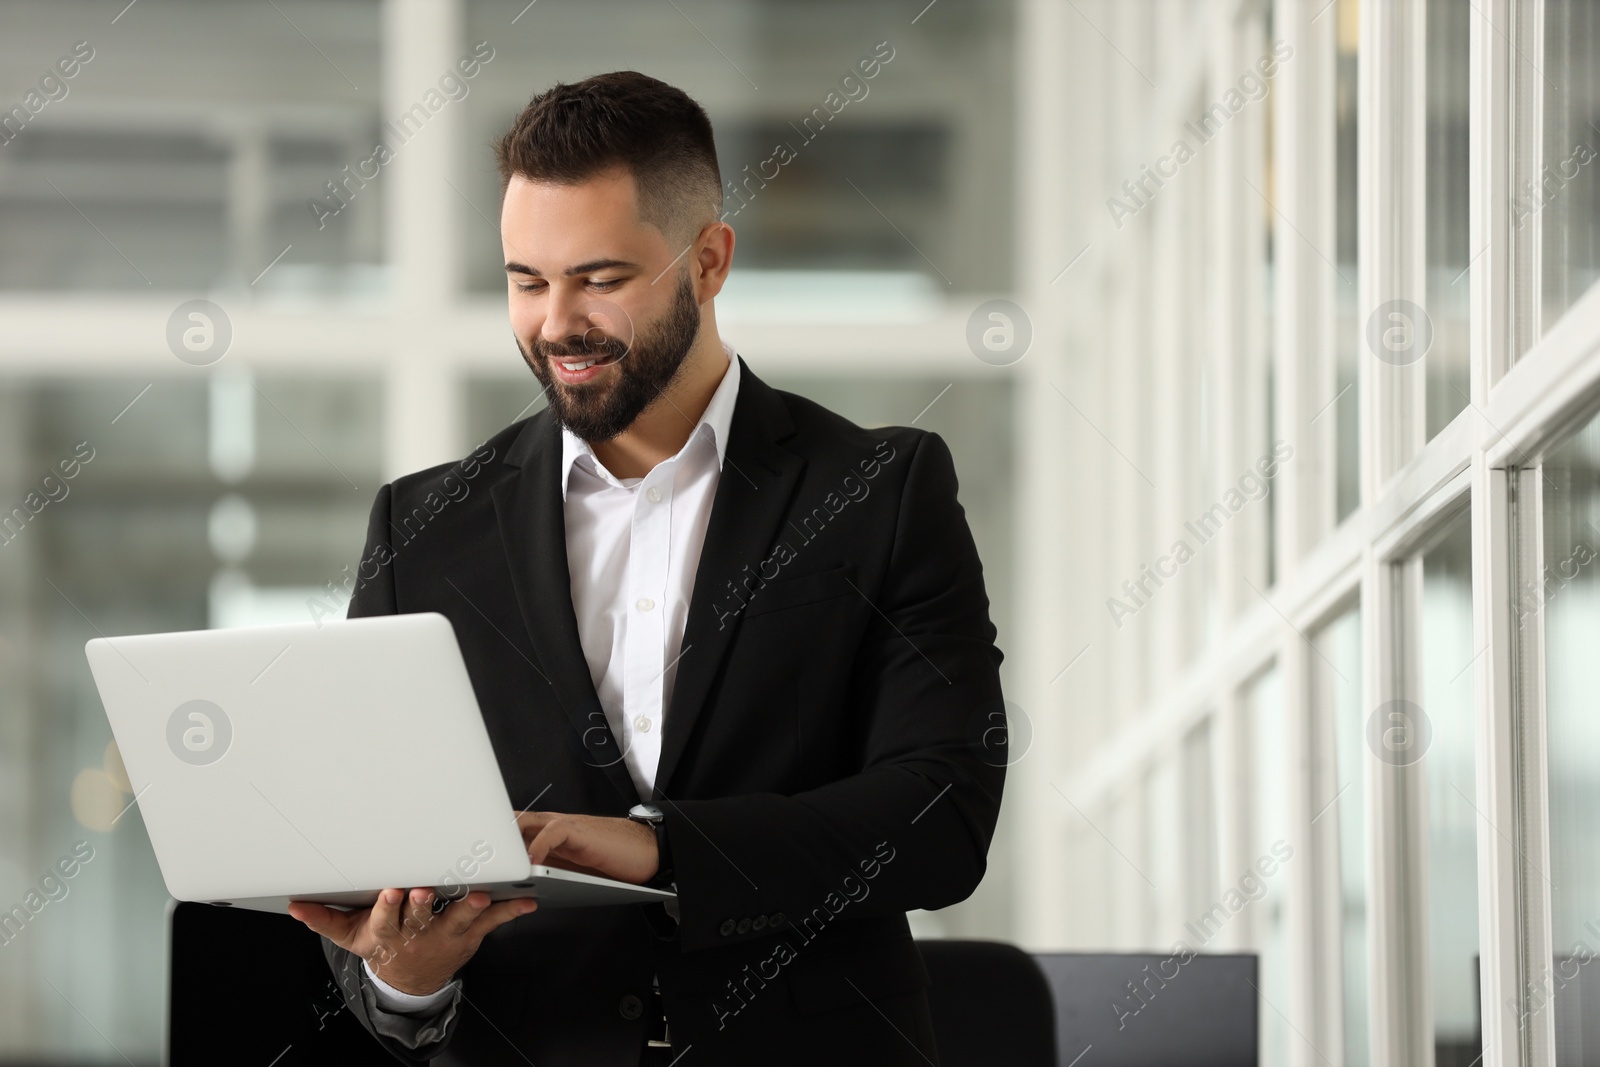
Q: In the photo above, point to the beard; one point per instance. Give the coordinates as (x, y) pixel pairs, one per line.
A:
(601, 409)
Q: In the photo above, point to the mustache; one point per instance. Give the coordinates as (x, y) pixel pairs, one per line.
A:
(610, 346)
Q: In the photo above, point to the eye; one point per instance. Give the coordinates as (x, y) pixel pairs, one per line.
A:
(527, 288)
(605, 286)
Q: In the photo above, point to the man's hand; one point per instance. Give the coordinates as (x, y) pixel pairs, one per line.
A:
(420, 952)
(590, 844)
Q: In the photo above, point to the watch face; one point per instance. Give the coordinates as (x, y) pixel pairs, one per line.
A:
(645, 813)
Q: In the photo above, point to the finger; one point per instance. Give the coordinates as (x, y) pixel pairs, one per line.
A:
(337, 926)
(552, 836)
(461, 913)
(531, 822)
(419, 911)
(500, 914)
(567, 844)
(385, 918)
(383, 926)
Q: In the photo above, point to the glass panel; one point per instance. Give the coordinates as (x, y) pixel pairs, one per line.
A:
(1263, 703)
(149, 173)
(1348, 343)
(1568, 592)
(190, 504)
(1163, 852)
(1565, 195)
(1199, 821)
(1127, 883)
(925, 141)
(1446, 356)
(1336, 707)
(1445, 760)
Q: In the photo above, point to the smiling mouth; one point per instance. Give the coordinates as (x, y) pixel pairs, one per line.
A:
(573, 364)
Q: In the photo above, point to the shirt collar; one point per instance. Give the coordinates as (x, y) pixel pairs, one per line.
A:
(714, 422)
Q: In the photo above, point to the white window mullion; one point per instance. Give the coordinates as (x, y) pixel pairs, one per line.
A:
(1532, 830)
(1305, 383)
(1524, 26)
(1490, 175)
(423, 386)
(1494, 582)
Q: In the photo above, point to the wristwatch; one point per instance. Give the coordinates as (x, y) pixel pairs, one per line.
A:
(656, 819)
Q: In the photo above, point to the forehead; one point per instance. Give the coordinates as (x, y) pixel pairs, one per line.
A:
(555, 225)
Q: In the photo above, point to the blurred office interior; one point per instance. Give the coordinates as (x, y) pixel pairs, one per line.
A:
(1263, 332)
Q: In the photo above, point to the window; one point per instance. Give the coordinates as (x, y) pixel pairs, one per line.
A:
(1348, 341)
(241, 499)
(1340, 811)
(1272, 829)
(1448, 221)
(1440, 735)
(1565, 598)
(1199, 835)
(1562, 195)
(146, 175)
(905, 174)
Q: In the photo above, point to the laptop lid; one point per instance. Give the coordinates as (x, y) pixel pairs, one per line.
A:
(309, 758)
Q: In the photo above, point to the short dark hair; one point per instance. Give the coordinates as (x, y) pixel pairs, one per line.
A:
(657, 132)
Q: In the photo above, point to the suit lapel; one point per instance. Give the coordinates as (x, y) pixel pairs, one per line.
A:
(531, 516)
(753, 492)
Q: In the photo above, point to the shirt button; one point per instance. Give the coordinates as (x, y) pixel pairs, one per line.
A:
(654, 494)
(645, 603)
(630, 1007)
(642, 724)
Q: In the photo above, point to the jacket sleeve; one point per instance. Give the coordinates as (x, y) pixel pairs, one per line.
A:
(911, 829)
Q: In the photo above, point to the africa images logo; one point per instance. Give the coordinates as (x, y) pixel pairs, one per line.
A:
(199, 732)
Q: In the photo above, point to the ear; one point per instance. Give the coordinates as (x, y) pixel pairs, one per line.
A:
(710, 260)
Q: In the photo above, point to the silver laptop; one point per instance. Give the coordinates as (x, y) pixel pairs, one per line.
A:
(321, 762)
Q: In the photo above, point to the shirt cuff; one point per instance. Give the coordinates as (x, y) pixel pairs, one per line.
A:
(393, 1000)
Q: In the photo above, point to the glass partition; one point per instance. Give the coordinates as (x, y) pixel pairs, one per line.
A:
(1444, 738)
(191, 503)
(1272, 845)
(1337, 714)
(194, 148)
(1446, 203)
(1567, 596)
(1563, 199)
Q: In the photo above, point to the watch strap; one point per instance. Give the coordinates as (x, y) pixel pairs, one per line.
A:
(663, 877)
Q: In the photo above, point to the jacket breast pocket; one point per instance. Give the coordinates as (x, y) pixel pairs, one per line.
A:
(784, 593)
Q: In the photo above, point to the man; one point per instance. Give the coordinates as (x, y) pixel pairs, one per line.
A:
(680, 586)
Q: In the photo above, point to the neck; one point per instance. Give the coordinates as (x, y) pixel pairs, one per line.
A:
(661, 429)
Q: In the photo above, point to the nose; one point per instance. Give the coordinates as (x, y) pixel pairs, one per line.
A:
(566, 320)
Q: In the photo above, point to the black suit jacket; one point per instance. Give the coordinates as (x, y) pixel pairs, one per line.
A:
(833, 755)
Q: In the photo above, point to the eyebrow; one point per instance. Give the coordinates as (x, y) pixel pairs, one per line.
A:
(582, 268)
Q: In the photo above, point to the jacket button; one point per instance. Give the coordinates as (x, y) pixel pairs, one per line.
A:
(744, 926)
(760, 923)
(776, 920)
(630, 1007)
(727, 927)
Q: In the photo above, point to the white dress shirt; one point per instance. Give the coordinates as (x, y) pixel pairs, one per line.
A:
(633, 546)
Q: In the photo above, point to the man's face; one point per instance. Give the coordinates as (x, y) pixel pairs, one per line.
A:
(588, 281)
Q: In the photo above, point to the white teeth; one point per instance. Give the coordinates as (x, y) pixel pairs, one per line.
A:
(579, 366)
